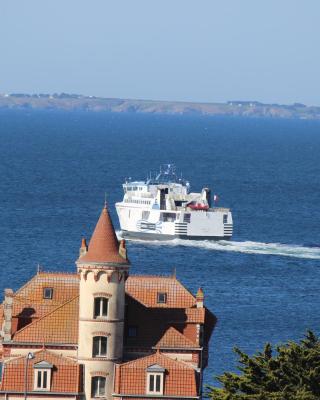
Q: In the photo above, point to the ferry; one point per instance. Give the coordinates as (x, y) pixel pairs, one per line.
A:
(164, 208)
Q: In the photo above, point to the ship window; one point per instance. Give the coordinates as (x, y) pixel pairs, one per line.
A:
(225, 218)
(186, 218)
(161, 298)
(145, 214)
(47, 293)
(169, 217)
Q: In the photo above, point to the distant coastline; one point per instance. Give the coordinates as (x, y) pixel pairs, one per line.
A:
(236, 108)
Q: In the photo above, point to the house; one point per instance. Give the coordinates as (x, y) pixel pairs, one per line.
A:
(102, 333)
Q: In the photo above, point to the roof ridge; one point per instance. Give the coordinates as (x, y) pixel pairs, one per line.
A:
(46, 315)
(152, 276)
(157, 354)
(25, 285)
(172, 328)
(44, 350)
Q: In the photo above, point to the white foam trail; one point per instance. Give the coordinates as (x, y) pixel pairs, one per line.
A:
(247, 247)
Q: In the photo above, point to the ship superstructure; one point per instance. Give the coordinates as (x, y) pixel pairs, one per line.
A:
(163, 208)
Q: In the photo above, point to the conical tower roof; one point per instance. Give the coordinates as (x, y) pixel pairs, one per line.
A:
(104, 245)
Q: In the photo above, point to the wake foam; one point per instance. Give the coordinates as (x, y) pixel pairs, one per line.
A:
(247, 247)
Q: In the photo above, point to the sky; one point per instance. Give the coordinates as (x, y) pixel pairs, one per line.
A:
(184, 50)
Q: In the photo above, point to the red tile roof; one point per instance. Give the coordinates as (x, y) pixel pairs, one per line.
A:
(145, 290)
(104, 245)
(66, 374)
(29, 302)
(175, 340)
(59, 326)
(180, 379)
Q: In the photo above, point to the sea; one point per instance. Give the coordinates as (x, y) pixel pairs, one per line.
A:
(263, 286)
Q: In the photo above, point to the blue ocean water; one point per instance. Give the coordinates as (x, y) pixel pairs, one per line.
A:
(55, 168)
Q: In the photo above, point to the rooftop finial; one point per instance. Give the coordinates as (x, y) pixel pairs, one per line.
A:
(105, 199)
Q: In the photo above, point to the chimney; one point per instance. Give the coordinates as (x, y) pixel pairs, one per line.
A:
(200, 298)
(83, 248)
(122, 249)
(7, 313)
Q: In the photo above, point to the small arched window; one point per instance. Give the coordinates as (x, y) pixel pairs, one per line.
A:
(99, 346)
(98, 386)
(100, 307)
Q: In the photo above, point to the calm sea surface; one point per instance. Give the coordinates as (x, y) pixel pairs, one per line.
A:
(263, 286)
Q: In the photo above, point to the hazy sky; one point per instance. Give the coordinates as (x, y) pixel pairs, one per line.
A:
(204, 50)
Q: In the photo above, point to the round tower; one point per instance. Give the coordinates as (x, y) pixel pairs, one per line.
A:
(103, 268)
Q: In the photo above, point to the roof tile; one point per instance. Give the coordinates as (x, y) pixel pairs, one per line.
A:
(104, 245)
(175, 340)
(59, 326)
(180, 379)
(145, 289)
(66, 374)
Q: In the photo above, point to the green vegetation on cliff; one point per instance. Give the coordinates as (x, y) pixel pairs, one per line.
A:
(65, 101)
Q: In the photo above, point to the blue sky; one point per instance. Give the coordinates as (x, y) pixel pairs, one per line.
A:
(207, 50)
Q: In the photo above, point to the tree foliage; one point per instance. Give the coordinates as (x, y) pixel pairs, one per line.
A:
(292, 373)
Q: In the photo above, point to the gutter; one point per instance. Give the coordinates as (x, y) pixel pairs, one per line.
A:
(43, 393)
(145, 396)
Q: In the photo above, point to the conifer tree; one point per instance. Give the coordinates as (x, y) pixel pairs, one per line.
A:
(291, 373)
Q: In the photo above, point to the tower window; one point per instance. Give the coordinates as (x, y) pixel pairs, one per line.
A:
(100, 307)
(161, 298)
(48, 293)
(98, 386)
(99, 347)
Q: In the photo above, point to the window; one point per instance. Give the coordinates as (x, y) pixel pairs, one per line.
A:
(47, 293)
(99, 347)
(145, 214)
(186, 218)
(225, 218)
(132, 331)
(98, 386)
(100, 307)
(1, 368)
(162, 298)
(155, 383)
(168, 217)
(155, 379)
(42, 376)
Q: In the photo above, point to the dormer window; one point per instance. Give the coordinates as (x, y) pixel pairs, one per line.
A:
(100, 307)
(48, 293)
(155, 380)
(42, 376)
(162, 298)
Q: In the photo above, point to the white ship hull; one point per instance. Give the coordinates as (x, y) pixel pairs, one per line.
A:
(214, 224)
